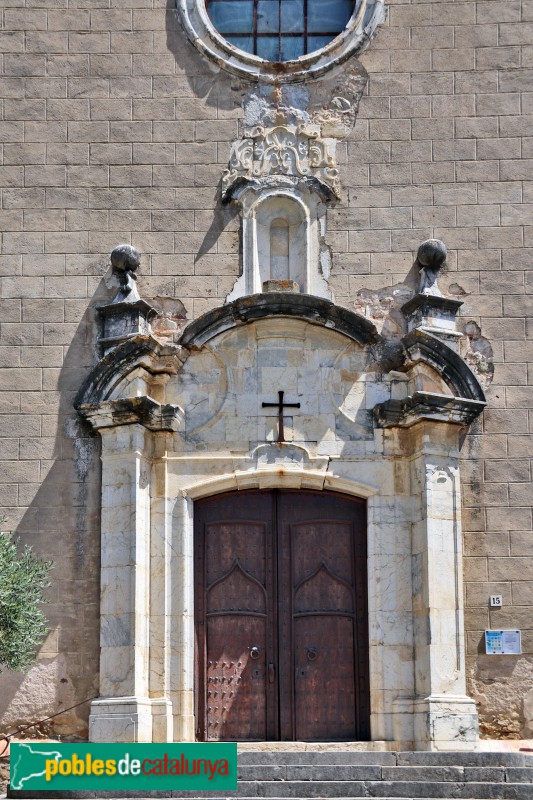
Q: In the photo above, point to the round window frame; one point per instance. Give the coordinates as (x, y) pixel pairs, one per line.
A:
(353, 39)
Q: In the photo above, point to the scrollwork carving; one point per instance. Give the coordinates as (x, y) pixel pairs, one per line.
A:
(294, 151)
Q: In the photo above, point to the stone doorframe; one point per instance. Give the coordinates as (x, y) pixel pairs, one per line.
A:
(409, 478)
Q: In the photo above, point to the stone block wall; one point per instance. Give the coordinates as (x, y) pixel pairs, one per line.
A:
(442, 148)
(114, 129)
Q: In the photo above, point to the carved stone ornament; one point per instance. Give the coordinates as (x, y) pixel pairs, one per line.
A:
(355, 38)
(127, 315)
(294, 151)
(429, 309)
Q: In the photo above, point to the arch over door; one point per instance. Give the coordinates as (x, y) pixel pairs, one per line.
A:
(281, 617)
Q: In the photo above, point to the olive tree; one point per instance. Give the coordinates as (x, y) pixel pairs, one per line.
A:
(23, 577)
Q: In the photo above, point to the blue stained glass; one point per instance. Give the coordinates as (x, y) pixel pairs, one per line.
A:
(328, 15)
(292, 16)
(325, 20)
(245, 43)
(268, 47)
(315, 43)
(292, 47)
(267, 16)
(232, 16)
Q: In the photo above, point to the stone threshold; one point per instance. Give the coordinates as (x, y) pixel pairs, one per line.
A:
(484, 746)
(362, 747)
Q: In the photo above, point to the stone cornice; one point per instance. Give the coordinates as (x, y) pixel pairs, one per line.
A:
(427, 405)
(143, 411)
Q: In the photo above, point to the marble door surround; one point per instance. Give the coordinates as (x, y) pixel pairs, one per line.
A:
(182, 419)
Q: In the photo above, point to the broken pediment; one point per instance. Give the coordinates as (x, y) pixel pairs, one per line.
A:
(230, 363)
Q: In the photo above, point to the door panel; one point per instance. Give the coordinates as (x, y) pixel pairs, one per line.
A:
(281, 616)
(324, 689)
(234, 611)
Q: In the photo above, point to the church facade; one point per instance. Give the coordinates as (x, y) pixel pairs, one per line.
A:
(265, 336)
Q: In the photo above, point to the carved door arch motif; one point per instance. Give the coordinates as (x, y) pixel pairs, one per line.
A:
(281, 616)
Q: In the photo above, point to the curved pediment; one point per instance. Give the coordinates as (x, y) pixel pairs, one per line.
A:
(140, 352)
(312, 309)
(422, 346)
(232, 358)
(463, 401)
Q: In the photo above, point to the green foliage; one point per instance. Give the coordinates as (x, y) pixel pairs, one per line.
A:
(22, 623)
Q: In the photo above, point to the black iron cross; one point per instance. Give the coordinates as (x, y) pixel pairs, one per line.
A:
(280, 405)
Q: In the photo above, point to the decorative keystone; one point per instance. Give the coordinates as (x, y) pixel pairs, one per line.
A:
(282, 156)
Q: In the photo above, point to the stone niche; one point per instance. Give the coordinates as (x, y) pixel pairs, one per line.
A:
(184, 421)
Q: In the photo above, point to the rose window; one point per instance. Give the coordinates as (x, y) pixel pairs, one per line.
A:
(280, 30)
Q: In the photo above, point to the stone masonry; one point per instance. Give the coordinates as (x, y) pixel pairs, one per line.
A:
(114, 129)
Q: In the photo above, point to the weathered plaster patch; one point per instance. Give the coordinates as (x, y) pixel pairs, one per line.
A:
(171, 317)
(382, 306)
(479, 355)
(332, 102)
(86, 449)
(266, 105)
(527, 708)
(44, 687)
(496, 684)
(457, 290)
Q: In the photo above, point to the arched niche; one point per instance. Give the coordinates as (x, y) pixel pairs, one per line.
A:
(282, 247)
(282, 241)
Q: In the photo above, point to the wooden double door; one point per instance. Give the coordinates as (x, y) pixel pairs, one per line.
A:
(281, 617)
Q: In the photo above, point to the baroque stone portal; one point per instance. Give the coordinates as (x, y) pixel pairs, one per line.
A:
(378, 422)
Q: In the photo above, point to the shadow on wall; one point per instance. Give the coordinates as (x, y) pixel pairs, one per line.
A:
(60, 500)
(61, 522)
(216, 88)
(222, 94)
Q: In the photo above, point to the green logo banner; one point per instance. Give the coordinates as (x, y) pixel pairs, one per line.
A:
(56, 766)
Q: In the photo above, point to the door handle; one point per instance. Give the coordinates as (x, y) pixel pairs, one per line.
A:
(271, 672)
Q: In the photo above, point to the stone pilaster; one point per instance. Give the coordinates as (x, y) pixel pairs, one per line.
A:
(123, 712)
(444, 717)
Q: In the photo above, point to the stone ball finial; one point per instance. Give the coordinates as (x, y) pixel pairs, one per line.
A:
(126, 258)
(432, 254)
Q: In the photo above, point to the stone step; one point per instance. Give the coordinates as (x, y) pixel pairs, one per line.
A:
(319, 774)
(150, 795)
(346, 772)
(419, 790)
(319, 790)
(266, 757)
(482, 759)
(472, 791)
(389, 759)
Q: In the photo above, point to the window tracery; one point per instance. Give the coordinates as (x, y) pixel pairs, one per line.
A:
(281, 30)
